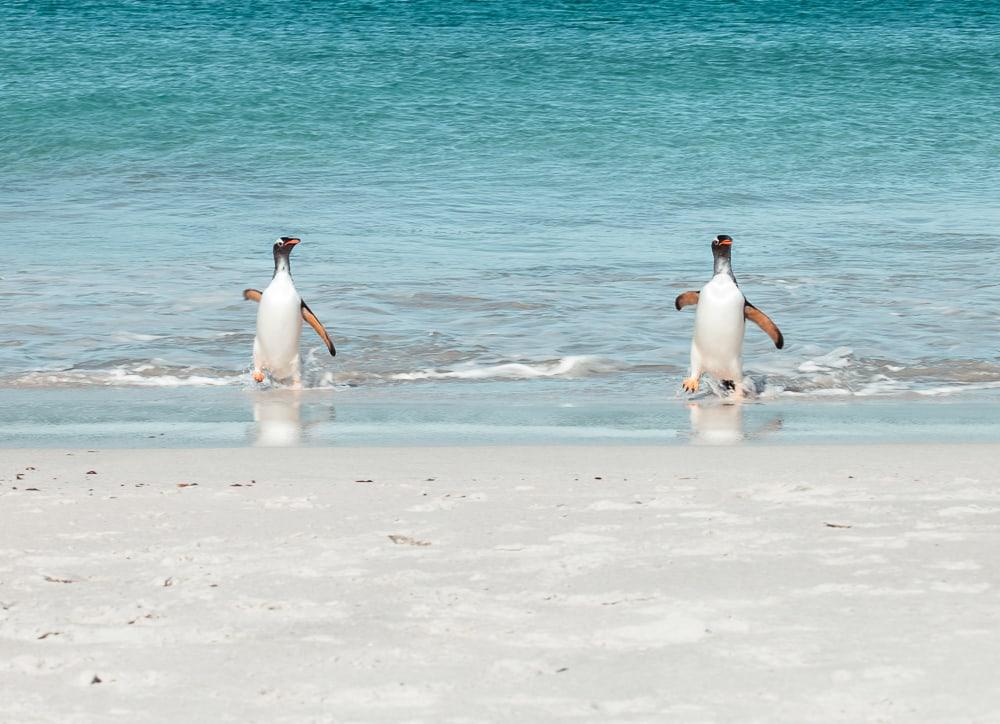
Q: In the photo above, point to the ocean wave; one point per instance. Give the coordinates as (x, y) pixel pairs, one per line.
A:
(126, 336)
(954, 389)
(142, 375)
(573, 366)
(836, 373)
(841, 373)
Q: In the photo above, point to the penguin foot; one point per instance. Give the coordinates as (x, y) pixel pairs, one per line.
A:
(690, 384)
(258, 376)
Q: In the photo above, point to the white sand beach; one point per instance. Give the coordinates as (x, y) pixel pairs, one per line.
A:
(831, 583)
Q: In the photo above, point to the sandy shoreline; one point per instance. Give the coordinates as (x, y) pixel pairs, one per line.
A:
(790, 583)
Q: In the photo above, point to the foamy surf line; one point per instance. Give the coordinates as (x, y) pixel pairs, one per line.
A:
(834, 374)
(571, 367)
(142, 376)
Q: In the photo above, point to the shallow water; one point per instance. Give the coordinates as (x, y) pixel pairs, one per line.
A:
(501, 199)
(230, 417)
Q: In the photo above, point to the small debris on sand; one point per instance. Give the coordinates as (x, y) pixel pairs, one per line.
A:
(407, 540)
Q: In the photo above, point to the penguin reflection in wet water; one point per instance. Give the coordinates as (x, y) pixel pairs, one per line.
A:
(719, 322)
(279, 321)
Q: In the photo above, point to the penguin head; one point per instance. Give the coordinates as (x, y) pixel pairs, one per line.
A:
(282, 248)
(722, 252)
(285, 244)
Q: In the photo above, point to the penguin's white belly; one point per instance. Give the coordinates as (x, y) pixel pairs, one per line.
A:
(718, 328)
(279, 327)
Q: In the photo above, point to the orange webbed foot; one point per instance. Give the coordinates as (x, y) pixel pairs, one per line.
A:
(258, 376)
(690, 384)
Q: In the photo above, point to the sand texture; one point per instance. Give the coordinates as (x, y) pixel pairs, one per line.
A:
(850, 583)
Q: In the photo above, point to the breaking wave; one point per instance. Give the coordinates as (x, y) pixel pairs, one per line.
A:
(838, 373)
(576, 366)
(140, 375)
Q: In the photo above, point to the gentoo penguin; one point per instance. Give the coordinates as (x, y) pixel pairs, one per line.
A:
(279, 321)
(719, 321)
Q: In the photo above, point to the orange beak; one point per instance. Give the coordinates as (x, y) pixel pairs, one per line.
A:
(292, 242)
(726, 242)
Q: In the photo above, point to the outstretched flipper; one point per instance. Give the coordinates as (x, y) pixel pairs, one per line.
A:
(307, 314)
(764, 322)
(686, 299)
(252, 294)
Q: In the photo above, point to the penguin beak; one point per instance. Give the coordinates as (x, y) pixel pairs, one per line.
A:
(291, 242)
(725, 242)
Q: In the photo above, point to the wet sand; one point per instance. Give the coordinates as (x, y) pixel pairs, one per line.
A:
(791, 583)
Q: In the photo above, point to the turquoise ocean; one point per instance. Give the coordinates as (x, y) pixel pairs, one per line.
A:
(498, 203)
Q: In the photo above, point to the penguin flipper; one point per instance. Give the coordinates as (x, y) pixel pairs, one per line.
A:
(252, 294)
(307, 314)
(764, 322)
(686, 299)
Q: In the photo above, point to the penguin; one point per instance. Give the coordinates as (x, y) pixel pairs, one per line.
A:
(719, 322)
(279, 321)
